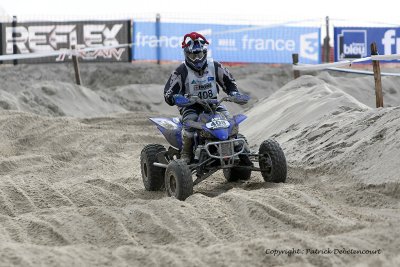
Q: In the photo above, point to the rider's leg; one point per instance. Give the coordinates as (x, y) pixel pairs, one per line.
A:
(187, 145)
(188, 133)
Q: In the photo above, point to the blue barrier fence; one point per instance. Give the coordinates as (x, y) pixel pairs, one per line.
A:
(228, 43)
(354, 42)
(161, 40)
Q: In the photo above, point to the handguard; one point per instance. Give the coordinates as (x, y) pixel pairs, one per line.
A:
(240, 99)
(181, 101)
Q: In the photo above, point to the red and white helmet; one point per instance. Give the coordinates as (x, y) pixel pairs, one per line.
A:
(195, 49)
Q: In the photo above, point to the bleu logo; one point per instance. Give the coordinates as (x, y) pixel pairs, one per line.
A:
(210, 78)
(352, 44)
(193, 82)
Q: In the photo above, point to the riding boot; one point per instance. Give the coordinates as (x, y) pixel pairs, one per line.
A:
(187, 143)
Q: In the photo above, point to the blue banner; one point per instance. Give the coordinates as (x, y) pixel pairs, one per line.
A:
(355, 42)
(229, 43)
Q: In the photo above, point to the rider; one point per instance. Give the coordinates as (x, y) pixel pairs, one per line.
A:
(199, 76)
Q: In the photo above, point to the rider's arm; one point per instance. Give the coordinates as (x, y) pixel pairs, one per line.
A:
(175, 84)
(225, 79)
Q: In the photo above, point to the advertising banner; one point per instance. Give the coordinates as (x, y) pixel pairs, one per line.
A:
(229, 43)
(35, 37)
(355, 42)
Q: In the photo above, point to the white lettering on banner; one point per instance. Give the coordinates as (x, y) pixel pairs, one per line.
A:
(93, 34)
(309, 46)
(58, 37)
(63, 34)
(20, 39)
(389, 40)
(99, 34)
(38, 38)
(151, 41)
(165, 41)
(267, 44)
(110, 36)
(102, 53)
(354, 49)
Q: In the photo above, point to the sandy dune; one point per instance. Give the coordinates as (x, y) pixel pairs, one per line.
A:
(71, 192)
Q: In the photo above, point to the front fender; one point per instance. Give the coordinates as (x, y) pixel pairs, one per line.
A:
(239, 118)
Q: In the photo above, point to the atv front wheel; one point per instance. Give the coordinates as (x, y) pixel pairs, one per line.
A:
(153, 177)
(236, 173)
(178, 180)
(272, 161)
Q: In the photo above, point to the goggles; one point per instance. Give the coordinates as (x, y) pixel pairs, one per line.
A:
(194, 56)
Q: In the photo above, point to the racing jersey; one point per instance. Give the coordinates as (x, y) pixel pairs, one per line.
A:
(184, 80)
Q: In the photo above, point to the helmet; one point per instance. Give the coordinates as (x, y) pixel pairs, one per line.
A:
(195, 49)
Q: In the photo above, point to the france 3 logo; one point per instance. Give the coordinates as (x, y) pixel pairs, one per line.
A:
(352, 44)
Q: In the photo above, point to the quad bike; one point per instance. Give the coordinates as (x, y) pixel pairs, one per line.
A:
(217, 145)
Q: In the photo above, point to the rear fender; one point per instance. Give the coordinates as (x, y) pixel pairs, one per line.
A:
(166, 123)
(171, 128)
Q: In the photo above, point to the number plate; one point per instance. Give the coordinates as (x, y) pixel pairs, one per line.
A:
(218, 124)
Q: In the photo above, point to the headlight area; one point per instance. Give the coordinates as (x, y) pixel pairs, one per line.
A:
(206, 135)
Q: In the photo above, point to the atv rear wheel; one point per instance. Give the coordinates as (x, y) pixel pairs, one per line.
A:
(153, 177)
(178, 180)
(272, 160)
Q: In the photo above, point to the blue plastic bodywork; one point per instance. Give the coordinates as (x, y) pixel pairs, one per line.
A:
(239, 118)
(181, 101)
(171, 128)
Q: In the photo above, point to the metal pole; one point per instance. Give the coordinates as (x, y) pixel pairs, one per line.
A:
(158, 33)
(295, 59)
(1, 42)
(130, 39)
(76, 67)
(14, 36)
(377, 77)
(326, 42)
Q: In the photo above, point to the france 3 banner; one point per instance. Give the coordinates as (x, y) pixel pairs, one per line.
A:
(355, 42)
(39, 37)
(229, 43)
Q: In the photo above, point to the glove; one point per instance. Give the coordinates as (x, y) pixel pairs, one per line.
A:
(180, 100)
(240, 99)
(174, 97)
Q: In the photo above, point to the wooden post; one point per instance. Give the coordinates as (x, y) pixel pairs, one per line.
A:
(76, 67)
(377, 77)
(295, 58)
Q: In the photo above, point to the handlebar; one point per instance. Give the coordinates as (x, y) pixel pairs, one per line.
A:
(241, 99)
(188, 100)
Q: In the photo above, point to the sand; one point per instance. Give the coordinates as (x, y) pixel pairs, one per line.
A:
(71, 192)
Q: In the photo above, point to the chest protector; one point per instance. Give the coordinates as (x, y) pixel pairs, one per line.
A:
(204, 86)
